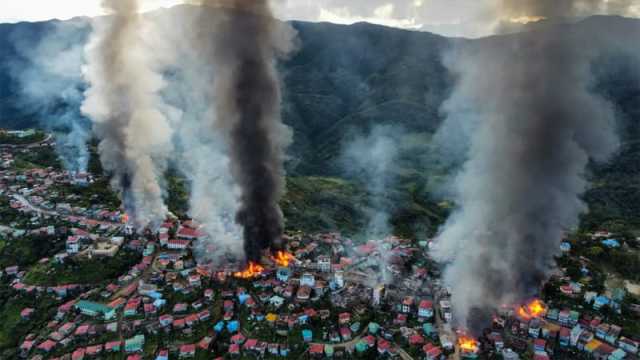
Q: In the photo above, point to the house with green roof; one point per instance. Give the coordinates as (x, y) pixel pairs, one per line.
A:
(95, 309)
(135, 344)
(328, 350)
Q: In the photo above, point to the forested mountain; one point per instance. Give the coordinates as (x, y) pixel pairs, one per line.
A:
(344, 80)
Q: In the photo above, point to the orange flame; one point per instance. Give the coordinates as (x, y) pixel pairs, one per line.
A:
(125, 219)
(253, 270)
(282, 258)
(468, 344)
(534, 309)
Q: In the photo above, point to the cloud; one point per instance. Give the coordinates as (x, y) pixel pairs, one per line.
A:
(39, 10)
(469, 18)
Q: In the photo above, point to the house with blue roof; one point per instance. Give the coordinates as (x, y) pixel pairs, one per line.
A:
(307, 335)
(233, 326)
(600, 301)
(283, 274)
(611, 243)
(373, 328)
(219, 327)
(242, 298)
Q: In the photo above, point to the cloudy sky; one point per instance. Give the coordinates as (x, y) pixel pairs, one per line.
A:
(450, 17)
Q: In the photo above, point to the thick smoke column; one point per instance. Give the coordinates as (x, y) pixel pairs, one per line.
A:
(124, 104)
(537, 125)
(247, 41)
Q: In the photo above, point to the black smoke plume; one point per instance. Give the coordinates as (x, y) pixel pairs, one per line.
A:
(247, 42)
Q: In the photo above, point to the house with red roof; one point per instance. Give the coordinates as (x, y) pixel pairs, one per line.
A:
(191, 320)
(180, 307)
(345, 333)
(204, 315)
(178, 324)
(94, 350)
(187, 351)
(205, 343)
(67, 328)
(238, 338)
(113, 346)
(344, 318)
(26, 346)
(425, 309)
(316, 350)
(78, 354)
(165, 320)
(366, 249)
(82, 330)
(117, 303)
(73, 245)
(150, 309)
(383, 346)
(194, 280)
(250, 344)
(432, 352)
(234, 349)
(400, 319)
(47, 346)
(416, 340)
(188, 233)
(209, 294)
(26, 313)
(131, 309)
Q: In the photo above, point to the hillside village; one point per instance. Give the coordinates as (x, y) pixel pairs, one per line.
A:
(329, 297)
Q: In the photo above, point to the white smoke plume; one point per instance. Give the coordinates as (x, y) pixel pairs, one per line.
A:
(371, 159)
(124, 102)
(51, 86)
(200, 154)
(535, 126)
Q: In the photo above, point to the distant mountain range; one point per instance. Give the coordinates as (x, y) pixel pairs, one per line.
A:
(346, 79)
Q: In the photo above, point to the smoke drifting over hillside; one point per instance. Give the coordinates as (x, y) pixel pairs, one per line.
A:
(247, 42)
(536, 126)
(50, 86)
(370, 159)
(124, 103)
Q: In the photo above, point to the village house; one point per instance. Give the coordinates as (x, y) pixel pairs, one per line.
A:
(407, 305)
(425, 309)
(95, 309)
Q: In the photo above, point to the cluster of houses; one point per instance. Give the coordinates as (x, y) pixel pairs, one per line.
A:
(322, 298)
(281, 298)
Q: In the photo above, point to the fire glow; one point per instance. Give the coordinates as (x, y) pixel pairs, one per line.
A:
(534, 309)
(252, 271)
(125, 219)
(282, 258)
(468, 344)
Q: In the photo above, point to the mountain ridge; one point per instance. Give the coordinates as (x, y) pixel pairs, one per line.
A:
(346, 79)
